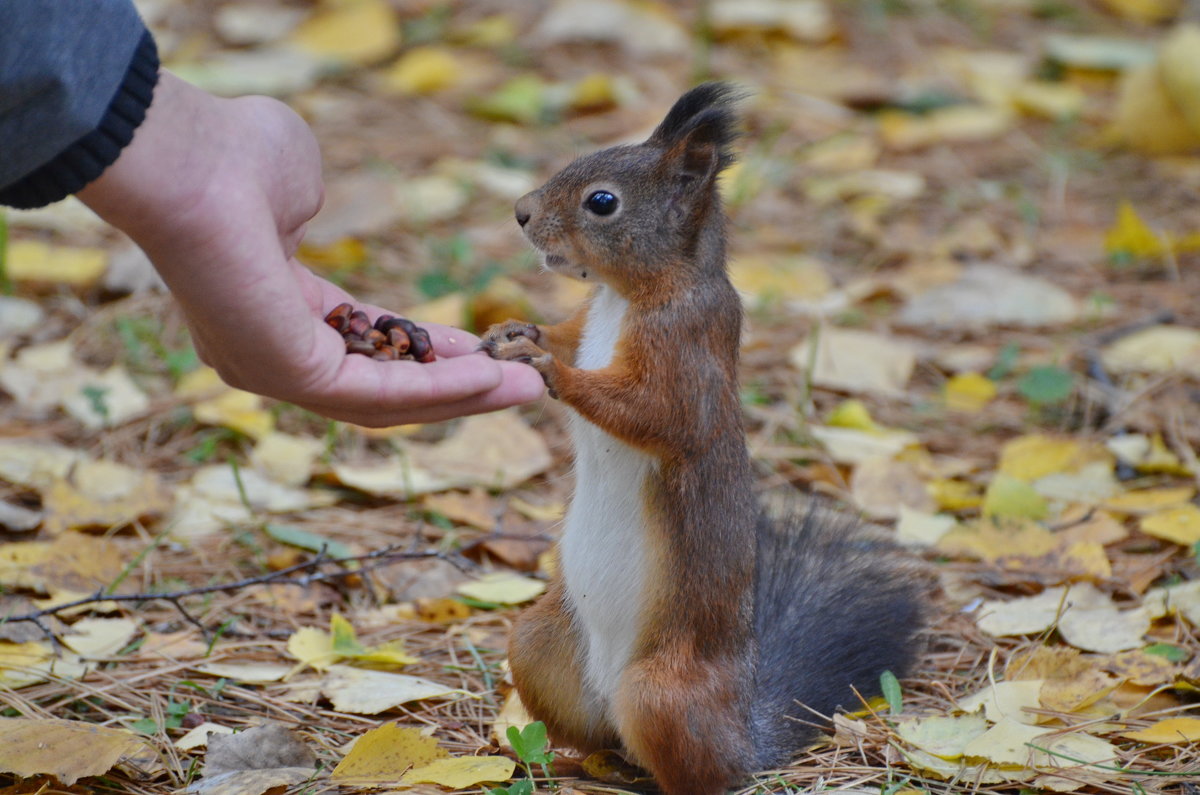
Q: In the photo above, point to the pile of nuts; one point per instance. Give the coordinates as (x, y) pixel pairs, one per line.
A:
(391, 337)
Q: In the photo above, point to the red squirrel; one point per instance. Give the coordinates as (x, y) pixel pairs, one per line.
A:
(683, 624)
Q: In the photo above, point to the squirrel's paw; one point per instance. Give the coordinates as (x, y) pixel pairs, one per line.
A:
(524, 350)
(501, 333)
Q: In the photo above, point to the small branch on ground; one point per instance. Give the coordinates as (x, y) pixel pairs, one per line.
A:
(302, 575)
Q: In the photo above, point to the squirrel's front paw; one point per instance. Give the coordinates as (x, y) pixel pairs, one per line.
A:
(508, 331)
(523, 349)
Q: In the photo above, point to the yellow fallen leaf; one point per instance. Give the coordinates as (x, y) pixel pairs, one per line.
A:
(341, 254)
(1036, 455)
(921, 528)
(1179, 70)
(1147, 454)
(1130, 237)
(594, 92)
(238, 410)
(320, 650)
(548, 512)
(1144, 501)
(512, 713)
(1005, 743)
(43, 746)
(1079, 755)
(1002, 700)
(31, 260)
(853, 414)
(958, 124)
(103, 494)
(198, 737)
(1180, 525)
(502, 588)
(383, 754)
(491, 31)
(767, 278)
(462, 772)
(1147, 118)
(955, 495)
(1009, 498)
(1172, 731)
(24, 664)
(361, 32)
(424, 70)
(287, 459)
(1054, 101)
(944, 737)
(1157, 349)
(1145, 11)
(968, 392)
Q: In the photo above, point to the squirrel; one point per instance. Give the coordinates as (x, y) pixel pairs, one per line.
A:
(683, 624)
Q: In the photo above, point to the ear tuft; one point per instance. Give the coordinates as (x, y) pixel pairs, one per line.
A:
(706, 118)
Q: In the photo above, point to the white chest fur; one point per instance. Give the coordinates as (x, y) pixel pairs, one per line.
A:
(603, 545)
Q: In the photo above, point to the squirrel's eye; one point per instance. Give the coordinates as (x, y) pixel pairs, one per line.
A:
(601, 203)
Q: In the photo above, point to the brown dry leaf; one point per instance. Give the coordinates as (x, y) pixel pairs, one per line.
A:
(1045, 662)
(1071, 694)
(259, 748)
(38, 746)
(475, 508)
(496, 451)
(882, 487)
(1141, 668)
(856, 361)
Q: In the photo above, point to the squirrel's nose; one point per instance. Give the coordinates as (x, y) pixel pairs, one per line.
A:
(524, 208)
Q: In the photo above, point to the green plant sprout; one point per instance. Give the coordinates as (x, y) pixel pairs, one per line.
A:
(532, 748)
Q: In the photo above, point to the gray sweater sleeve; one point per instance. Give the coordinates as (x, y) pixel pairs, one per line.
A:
(76, 77)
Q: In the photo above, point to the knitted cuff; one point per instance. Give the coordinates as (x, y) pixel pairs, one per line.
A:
(86, 159)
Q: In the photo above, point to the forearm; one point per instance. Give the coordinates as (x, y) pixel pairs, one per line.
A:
(75, 79)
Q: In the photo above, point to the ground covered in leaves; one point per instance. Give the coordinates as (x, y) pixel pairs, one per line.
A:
(968, 238)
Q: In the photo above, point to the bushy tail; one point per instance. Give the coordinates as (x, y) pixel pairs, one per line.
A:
(834, 608)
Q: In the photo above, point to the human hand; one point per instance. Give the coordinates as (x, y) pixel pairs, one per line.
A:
(217, 193)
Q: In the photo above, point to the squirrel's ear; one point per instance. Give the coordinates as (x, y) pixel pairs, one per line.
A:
(699, 131)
